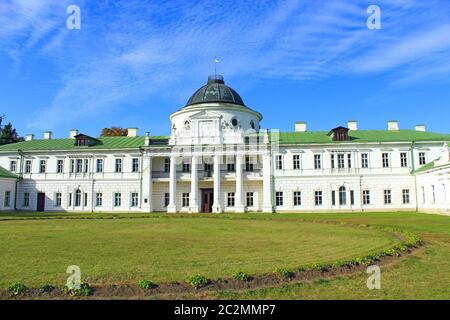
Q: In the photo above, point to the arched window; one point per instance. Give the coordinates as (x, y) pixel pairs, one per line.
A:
(342, 196)
(78, 198)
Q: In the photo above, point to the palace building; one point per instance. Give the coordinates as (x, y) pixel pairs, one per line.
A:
(218, 159)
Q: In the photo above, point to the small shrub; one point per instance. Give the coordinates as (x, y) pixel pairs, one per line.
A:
(46, 288)
(319, 267)
(197, 281)
(84, 290)
(283, 272)
(17, 288)
(241, 276)
(145, 284)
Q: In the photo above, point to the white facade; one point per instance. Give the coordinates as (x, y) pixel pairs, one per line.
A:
(217, 159)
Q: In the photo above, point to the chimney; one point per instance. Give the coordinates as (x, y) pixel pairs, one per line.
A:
(300, 127)
(147, 138)
(73, 133)
(420, 127)
(352, 125)
(47, 135)
(29, 137)
(393, 125)
(132, 132)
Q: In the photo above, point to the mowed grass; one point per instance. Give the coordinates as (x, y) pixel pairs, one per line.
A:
(167, 248)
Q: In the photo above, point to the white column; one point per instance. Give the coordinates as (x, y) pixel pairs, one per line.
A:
(239, 201)
(267, 182)
(172, 207)
(194, 206)
(217, 207)
(147, 183)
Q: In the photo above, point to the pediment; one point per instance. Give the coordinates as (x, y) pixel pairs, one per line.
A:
(205, 114)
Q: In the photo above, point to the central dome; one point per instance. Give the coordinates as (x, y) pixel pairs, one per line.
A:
(215, 91)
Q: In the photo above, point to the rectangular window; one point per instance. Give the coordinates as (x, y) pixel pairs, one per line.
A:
(318, 201)
(341, 161)
(297, 198)
(28, 166)
(403, 159)
(296, 161)
(248, 164)
(99, 166)
(117, 199)
(366, 197)
(186, 166)
(79, 165)
(135, 165)
(118, 167)
(58, 199)
(166, 199)
(26, 199)
(185, 199)
(364, 160)
(134, 199)
(70, 199)
(423, 195)
(7, 201)
(231, 167)
(72, 165)
(13, 166)
(167, 165)
(279, 162)
(98, 199)
(86, 165)
(332, 161)
(405, 195)
(385, 157)
(387, 197)
(85, 199)
(349, 160)
(250, 199)
(279, 198)
(230, 199)
(59, 166)
(352, 197)
(422, 159)
(317, 161)
(333, 198)
(42, 166)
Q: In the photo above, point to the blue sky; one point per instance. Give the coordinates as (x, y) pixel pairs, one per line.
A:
(134, 62)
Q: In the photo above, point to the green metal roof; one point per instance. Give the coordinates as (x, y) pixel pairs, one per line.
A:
(7, 174)
(360, 136)
(68, 144)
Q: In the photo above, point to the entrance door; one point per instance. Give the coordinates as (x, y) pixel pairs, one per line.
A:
(207, 200)
(40, 201)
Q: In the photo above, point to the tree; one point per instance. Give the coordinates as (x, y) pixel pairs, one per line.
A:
(114, 132)
(9, 135)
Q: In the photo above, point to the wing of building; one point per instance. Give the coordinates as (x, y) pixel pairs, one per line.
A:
(218, 159)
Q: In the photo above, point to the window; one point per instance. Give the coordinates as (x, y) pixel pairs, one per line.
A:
(134, 199)
(86, 165)
(279, 198)
(117, 199)
(135, 165)
(403, 160)
(78, 198)
(296, 160)
(332, 161)
(352, 197)
(186, 166)
(385, 157)
(230, 199)
(28, 166)
(422, 159)
(387, 197)
(317, 161)
(342, 196)
(72, 165)
(250, 199)
(58, 199)
(318, 201)
(85, 199)
(366, 197)
(279, 162)
(70, 199)
(248, 164)
(185, 199)
(341, 161)
(166, 199)
(423, 195)
(99, 166)
(405, 196)
(7, 201)
(98, 199)
(433, 195)
(297, 198)
(118, 167)
(42, 166)
(26, 199)
(231, 167)
(349, 160)
(333, 198)
(208, 169)
(79, 165)
(60, 166)
(167, 165)
(13, 166)
(364, 160)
